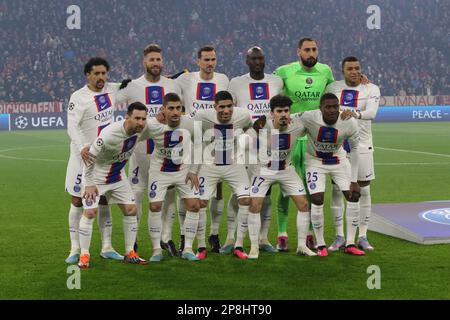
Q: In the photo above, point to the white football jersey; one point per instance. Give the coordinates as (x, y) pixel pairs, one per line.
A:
(112, 149)
(88, 113)
(255, 94)
(325, 142)
(171, 145)
(198, 93)
(362, 98)
(276, 144)
(151, 94)
(219, 137)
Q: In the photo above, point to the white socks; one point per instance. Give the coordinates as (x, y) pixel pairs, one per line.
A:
(181, 214)
(75, 214)
(201, 229)
(154, 229)
(168, 215)
(85, 231)
(352, 221)
(365, 203)
(266, 218)
(190, 229)
(317, 222)
(231, 218)
(254, 226)
(242, 225)
(216, 210)
(303, 221)
(337, 209)
(129, 232)
(105, 224)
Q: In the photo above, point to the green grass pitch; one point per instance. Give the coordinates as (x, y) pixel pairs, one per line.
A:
(35, 240)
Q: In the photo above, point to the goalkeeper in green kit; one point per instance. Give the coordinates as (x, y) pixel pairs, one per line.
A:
(304, 82)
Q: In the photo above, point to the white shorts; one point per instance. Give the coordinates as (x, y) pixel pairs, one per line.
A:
(160, 181)
(366, 170)
(74, 176)
(119, 192)
(316, 176)
(234, 174)
(138, 170)
(289, 181)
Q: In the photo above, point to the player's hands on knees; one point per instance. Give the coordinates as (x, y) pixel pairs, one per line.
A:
(90, 193)
(355, 191)
(192, 177)
(161, 118)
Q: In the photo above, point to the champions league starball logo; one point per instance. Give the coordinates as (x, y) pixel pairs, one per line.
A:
(21, 122)
(441, 215)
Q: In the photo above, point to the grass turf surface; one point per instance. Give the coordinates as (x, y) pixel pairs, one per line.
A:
(35, 239)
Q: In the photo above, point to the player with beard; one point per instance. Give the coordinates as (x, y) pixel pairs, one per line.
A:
(90, 110)
(253, 91)
(304, 82)
(150, 89)
(199, 90)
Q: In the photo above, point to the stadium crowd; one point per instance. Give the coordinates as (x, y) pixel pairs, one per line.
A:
(42, 58)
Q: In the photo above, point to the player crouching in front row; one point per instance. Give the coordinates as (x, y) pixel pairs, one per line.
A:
(105, 175)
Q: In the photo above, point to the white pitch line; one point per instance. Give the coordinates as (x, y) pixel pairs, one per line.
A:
(411, 163)
(412, 151)
(31, 159)
(32, 147)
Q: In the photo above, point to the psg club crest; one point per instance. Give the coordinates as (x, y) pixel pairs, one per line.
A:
(255, 190)
(259, 91)
(76, 188)
(206, 91)
(102, 101)
(152, 194)
(135, 180)
(312, 186)
(309, 81)
(154, 95)
(349, 98)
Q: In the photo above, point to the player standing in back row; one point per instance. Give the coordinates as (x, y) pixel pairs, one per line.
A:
(304, 82)
(90, 110)
(199, 90)
(361, 102)
(253, 91)
(150, 90)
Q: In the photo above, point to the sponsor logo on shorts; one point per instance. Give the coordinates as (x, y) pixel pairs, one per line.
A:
(312, 186)
(441, 215)
(255, 190)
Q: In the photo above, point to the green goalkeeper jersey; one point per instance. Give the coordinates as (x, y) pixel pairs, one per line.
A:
(305, 87)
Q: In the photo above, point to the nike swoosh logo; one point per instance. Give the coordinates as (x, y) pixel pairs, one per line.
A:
(369, 175)
(347, 103)
(308, 87)
(246, 188)
(206, 97)
(153, 101)
(260, 96)
(301, 190)
(103, 106)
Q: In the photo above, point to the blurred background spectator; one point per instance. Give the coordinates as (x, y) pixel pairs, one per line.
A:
(42, 60)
